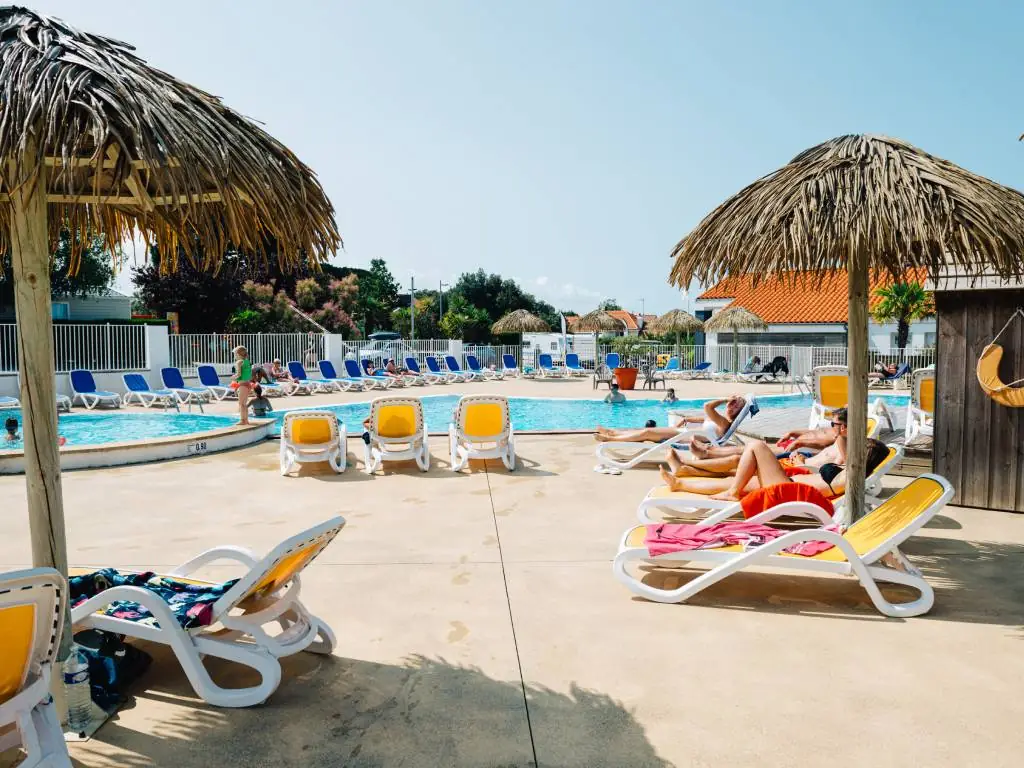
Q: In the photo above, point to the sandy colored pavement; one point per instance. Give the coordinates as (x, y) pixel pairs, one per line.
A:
(479, 625)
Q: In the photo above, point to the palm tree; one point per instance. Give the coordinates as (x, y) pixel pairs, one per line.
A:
(904, 303)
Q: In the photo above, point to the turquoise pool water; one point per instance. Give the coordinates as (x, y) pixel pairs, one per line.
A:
(556, 414)
(95, 428)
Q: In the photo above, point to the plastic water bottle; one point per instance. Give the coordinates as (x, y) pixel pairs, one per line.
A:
(76, 687)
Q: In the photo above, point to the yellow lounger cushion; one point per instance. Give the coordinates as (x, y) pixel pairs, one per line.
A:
(834, 390)
(484, 420)
(927, 403)
(312, 431)
(287, 567)
(17, 629)
(866, 534)
(396, 421)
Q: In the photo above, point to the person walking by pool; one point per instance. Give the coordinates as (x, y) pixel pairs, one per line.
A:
(615, 396)
(242, 382)
(11, 429)
(670, 396)
(260, 405)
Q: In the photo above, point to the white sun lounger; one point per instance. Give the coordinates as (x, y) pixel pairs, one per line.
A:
(869, 550)
(482, 429)
(83, 391)
(629, 455)
(662, 501)
(32, 607)
(921, 409)
(138, 389)
(394, 422)
(268, 594)
(312, 436)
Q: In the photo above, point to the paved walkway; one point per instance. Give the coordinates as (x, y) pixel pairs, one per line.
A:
(479, 625)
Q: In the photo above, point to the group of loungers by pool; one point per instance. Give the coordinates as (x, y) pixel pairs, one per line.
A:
(680, 524)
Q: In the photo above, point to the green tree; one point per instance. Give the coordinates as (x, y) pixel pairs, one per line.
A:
(902, 303)
(464, 321)
(95, 273)
(204, 300)
(426, 318)
(497, 296)
(607, 304)
(378, 296)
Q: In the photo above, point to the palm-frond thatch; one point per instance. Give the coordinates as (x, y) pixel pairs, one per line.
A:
(129, 149)
(596, 322)
(899, 206)
(520, 321)
(677, 321)
(734, 319)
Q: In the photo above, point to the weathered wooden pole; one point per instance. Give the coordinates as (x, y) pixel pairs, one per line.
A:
(857, 361)
(30, 257)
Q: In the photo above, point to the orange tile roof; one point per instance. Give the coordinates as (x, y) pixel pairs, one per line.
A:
(619, 314)
(812, 297)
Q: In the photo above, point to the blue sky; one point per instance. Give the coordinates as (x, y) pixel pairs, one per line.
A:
(571, 144)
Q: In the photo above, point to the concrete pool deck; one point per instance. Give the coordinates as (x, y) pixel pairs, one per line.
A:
(479, 624)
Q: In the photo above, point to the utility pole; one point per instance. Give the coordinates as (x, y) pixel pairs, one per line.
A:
(440, 298)
(412, 308)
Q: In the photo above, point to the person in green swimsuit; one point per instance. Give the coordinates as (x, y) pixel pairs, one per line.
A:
(243, 382)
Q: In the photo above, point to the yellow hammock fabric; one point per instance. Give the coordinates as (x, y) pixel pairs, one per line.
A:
(988, 378)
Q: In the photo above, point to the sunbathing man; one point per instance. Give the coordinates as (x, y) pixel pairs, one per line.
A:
(882, 370)
(712, 423)
(280, 374)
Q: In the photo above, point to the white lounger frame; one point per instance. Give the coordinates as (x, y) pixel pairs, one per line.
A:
(334, 452)
(381, 449)
(629, 455)
(462, 447)
(245, 641)
(31, 710)
(919, 421)
(867, 568)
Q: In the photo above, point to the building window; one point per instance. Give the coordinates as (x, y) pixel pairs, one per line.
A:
(60, 310)
(554, 346)
(930, 339)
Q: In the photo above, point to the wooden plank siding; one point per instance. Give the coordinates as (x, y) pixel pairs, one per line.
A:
(978, 443)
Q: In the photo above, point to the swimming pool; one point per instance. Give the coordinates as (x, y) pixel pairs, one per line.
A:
(563, 414)
(97, 428)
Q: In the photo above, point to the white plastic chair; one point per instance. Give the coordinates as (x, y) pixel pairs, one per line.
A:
(396, 422)
(312, 436)
(482, 429)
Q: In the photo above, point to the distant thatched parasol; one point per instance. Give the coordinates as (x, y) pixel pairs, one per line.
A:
(859, 203)
(95, 141)
(597, 321)
(677, 321)
(520, 321)
(734, 320)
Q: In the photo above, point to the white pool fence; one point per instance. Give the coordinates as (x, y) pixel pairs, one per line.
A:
(109, 350)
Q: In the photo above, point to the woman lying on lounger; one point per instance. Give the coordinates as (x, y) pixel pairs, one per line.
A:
(703, 450)
(759, 468)
(711, 422)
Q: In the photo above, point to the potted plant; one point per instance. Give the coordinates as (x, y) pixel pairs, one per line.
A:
(628, 348)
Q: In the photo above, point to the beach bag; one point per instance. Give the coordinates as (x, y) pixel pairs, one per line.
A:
(113, 665)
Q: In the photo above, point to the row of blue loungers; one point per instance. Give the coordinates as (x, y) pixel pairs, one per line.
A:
(175, 392)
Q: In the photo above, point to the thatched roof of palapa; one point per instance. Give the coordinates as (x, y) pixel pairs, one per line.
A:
(129, 149)
(901, 206)
(677, 321)
(520, 321)
(597, 321)
(735, 319)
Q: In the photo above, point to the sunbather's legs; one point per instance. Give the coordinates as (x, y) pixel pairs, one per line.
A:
(649, 435)
(758, 460)
(706, 486)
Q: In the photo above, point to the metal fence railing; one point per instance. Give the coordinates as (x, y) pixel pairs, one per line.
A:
(189, 350)
(101, 348)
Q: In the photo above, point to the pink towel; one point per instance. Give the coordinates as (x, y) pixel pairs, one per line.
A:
(664, 538)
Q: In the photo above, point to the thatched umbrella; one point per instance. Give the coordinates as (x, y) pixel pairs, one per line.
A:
(520, 321)
(859, 203)
(735, 319)
(598, 321)
(677, 321)
(95, 141)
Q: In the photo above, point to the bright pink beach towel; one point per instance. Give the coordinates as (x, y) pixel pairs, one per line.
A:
(665, 538)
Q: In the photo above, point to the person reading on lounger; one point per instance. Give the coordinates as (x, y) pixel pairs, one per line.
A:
(278, 373)
(712, 422)
(883, 371)
(725, 460)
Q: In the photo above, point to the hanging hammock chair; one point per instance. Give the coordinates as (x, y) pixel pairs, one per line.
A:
(1011, 395)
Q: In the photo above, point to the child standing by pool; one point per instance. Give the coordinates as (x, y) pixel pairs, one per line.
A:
(243, 382)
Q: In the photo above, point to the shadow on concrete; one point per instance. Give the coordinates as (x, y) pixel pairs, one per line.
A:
(974, 582)
(331, 711)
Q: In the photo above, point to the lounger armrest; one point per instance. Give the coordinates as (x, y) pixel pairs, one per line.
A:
(147, 598)
(793, 509)
(226, 552)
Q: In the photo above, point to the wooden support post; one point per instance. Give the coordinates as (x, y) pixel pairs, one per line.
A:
(30, 256)
(857, 360)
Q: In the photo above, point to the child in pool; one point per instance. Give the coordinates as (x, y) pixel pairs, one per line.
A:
(11, 429)
(260, 405)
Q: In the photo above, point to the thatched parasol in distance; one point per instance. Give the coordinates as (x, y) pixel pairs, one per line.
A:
(677, 321)
(734, 320)
(597, 321)
(520, 321)
(859, 203)
(95, 141)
